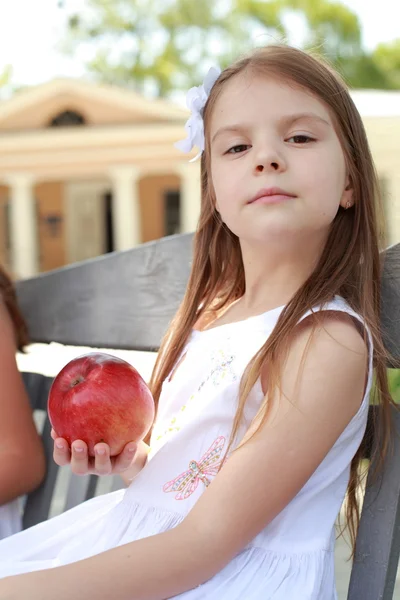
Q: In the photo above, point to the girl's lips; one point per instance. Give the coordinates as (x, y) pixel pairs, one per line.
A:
(271, 195)
(272, 199)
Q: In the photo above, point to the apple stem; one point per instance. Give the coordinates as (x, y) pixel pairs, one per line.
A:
(77, 381)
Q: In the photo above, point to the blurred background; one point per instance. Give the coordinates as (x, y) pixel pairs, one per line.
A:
(92, 98)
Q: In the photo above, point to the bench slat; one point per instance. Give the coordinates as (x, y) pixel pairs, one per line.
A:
(38, 502)
(126, 299)
(373, 575)
(78, 490)
(121, 300)
(390, 313)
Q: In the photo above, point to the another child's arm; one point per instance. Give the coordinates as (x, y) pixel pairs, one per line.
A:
(22, 462)
(254, 485)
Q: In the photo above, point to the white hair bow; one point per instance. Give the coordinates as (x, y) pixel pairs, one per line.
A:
(196, 99)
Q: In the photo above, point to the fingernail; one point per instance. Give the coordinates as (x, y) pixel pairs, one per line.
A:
(100, 451)
(78, 449)
(132, 449)
(59, 446)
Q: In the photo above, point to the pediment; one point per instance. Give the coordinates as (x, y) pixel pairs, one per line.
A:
(98, 104)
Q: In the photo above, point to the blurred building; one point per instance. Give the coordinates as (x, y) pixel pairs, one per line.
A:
(380, 110)
(86, 169)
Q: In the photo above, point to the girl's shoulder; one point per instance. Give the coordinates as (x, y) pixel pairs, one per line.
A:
(339, 305)
(337, 313)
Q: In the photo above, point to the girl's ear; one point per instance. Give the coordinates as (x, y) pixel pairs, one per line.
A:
(347, 196)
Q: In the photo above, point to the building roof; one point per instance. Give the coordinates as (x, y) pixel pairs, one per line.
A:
(377, 103)
(100, 104)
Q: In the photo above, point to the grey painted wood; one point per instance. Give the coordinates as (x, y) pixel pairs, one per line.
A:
(378, 542)
(37, 504)
(78, 490)
(126, 299)
(390, 317)
(121, 300)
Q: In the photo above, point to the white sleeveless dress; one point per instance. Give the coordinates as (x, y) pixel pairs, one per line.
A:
(291, 559)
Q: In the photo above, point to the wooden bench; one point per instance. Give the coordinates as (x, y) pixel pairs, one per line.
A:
(125, 300)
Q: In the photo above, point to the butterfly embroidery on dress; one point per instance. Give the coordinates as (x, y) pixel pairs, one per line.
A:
(186, 483)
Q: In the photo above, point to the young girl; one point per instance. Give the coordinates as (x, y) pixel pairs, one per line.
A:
(22, 462)
(263, 379)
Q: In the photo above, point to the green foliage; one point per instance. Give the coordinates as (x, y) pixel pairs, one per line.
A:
(158, 46)
(387, 59)
(333, 28)
(394, 383)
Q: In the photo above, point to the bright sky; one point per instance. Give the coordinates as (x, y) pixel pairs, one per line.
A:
(30, 31)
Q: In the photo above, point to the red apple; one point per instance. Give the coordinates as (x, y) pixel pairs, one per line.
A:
(98, 397)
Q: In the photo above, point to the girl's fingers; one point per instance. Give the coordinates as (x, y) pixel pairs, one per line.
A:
(79, 458)
(54, 434)
(102, 463)
(61, 452)
(124, 460)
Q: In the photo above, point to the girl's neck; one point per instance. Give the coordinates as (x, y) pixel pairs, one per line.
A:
(273, 275)
(271, 280)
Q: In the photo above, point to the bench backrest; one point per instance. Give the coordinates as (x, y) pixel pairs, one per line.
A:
(125, 300)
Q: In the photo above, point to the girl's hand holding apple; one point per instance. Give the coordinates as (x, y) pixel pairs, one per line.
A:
(102, 463)
(100, 410)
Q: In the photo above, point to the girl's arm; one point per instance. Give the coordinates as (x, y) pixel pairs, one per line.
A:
(22, 462)
(319, 399)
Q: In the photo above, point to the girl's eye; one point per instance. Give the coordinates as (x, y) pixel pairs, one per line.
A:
(301, 139)
(238, 148)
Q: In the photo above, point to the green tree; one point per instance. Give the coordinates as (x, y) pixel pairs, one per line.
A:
(158, 46)
(387, 59)
(335, 31)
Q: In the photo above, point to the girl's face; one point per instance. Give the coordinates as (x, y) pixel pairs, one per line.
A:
(265, 134)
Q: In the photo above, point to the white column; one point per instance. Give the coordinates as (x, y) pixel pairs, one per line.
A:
(190, 195)
(23, 226)
(125, 207)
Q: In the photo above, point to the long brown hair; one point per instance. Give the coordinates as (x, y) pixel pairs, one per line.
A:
(9, 297)
(350, 263)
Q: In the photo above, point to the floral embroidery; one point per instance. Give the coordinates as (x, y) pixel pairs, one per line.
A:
(172, 427)
(222, 366)
(221, 362)
(186, 483)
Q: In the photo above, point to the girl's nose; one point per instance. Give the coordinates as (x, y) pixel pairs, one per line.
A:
(271, 161)
(274, 167)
